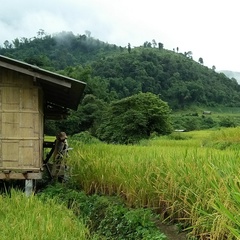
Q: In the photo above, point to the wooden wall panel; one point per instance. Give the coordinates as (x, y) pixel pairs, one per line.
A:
(10, 154)
(29, 99)
(21, 122)
(10, 99)
(26, 155)
(10, 125)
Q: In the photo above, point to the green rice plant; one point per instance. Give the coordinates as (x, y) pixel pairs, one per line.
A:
(224, 138)
(229, 207)
(49, 138)
(29, 218)
(179, 179)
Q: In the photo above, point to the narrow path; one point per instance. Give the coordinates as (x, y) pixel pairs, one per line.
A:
(171, 232)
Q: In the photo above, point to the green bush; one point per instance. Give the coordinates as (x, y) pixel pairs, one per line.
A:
(107, 217)
(131, 119)
(227, 122)
(85, 137)
(178, 136)
(122, 223)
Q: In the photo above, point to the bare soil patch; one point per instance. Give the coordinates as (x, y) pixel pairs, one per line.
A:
(172, 233)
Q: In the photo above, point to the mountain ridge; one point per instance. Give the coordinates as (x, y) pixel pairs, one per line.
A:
(231, 74)
(113, 72)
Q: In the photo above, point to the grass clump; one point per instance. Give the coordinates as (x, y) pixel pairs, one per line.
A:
(107, 217)
(225, 138)
(28, 218)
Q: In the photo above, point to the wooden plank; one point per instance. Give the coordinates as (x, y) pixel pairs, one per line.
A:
(1, 90)
(17, 169)
(11, 78)
(1, 159)
(37, 125)
(52, 79)
(19, 111)
(37, 153)
(20, 138)
(21, 176)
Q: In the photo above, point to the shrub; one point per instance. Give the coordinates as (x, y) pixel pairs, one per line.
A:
(85, 137)
(227, 122)
(107, 216)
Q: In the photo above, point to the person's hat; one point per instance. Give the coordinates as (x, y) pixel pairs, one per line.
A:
(62, 136)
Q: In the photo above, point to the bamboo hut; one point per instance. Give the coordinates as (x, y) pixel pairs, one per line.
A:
(28, 96)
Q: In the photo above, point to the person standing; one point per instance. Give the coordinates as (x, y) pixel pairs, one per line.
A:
(60, 152)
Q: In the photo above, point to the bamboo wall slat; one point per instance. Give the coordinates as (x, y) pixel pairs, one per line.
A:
(21, 122)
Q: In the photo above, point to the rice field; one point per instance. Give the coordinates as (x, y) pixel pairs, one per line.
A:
(189, 178)
(29, 218)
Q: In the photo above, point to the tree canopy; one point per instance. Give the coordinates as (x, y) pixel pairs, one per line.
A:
(133, 118)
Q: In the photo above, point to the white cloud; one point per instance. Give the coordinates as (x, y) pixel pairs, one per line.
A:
(208, 28)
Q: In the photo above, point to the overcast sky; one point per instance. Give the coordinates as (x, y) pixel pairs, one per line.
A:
(208, 28)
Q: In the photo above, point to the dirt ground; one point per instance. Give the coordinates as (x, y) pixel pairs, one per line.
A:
(171, 232)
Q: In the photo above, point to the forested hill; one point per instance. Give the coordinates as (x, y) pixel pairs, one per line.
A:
(115, 72)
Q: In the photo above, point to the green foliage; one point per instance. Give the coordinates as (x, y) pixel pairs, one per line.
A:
(86, 118)
(224, 138)
(193, 121)
(134, 118)
(116, 74)
(227, 122)
(122, 223)
(51, 128)
(107, 217)
(208, 122)
(85, 137)
(180, 80)
(57, 51)
(177, 136)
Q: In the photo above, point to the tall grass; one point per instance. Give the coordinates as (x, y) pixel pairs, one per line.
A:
(31, 219)
(183, 180)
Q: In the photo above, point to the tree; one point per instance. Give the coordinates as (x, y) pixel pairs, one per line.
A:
(200, 60)
(86, 118)
(149, 45)
(160, 45)
(16, 42)
(145, 44)
(134, 118)
(41, 33)
(188, 54)
(7, 44)
(129, 48)
(154, 43)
